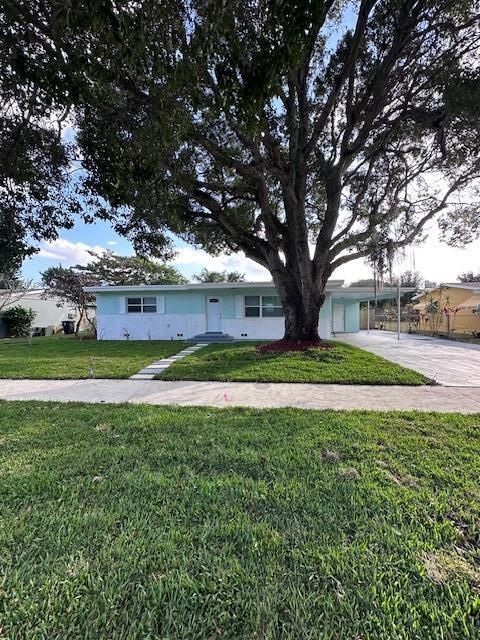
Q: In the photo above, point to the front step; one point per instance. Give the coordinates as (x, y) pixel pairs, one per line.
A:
(212, 336)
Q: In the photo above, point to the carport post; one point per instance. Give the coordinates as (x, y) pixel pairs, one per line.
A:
(368, 316)
(398, 309)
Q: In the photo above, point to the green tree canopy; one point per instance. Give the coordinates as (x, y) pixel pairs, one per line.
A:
(305, 134)
(219, 276)
(111, 269)
(469, 276)
(38, 192)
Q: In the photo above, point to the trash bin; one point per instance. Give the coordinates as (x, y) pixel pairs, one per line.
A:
(68, 326)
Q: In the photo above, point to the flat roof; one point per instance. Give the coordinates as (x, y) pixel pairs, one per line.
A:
(338, 292)
(192, 286)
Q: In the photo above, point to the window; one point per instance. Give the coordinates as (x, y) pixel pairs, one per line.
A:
(142, 305)
(252, 306)
(263, 306)
(271, 307)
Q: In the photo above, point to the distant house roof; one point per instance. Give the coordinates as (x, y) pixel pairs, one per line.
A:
(472, 286)
(469, 286)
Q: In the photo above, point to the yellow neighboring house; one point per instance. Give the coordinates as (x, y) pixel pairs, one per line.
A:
(450, 308)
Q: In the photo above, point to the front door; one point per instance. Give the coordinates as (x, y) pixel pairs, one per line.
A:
(338, 318)
(214, 314)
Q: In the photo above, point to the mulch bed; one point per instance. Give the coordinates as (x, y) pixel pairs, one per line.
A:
(292, 345)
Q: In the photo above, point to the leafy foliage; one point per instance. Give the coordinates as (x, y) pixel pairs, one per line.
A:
(219, 276)
(111, 269)
(19, 321)
(469, 276)
(37, 193)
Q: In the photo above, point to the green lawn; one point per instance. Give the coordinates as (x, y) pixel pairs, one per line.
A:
(62, 357)
(128, 522)
(240, 361)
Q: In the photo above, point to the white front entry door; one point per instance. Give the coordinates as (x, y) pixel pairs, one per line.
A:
(338, 318)
(214, 314)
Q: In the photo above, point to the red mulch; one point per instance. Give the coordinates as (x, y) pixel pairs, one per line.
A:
(292, 345)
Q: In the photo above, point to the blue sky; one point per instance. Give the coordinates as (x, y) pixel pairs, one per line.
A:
(433, 259)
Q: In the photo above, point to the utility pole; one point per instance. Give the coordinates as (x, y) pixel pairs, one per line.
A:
(398, 309)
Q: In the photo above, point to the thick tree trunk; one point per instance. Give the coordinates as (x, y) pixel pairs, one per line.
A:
(301, 308)
(301, 322)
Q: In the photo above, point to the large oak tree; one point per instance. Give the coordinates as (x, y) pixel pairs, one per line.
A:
(305, 134)
(37, 192)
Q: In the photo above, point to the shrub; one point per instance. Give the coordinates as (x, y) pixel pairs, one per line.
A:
(19, 321)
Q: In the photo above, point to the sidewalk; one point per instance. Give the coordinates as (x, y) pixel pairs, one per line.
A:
(247, 394)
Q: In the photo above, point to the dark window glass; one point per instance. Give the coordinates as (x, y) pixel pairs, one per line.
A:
(133, 308)
(272, 312)
(252, 312)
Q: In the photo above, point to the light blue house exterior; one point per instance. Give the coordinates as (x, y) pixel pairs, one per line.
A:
(242, 310)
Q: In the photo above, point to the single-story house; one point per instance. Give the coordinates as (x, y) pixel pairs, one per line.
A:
(49, 312)
(451, 307)
(239, 310)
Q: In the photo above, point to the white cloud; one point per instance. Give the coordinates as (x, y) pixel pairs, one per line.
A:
(112, 243)
(435, 261)
(191, 261)
(68, 253)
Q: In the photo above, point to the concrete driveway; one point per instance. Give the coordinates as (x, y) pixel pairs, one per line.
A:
(452, 364)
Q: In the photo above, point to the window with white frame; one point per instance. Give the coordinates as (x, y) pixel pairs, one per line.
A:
(142, 305)
(263, 307)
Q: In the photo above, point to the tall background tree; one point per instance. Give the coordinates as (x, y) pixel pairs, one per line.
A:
(247, 126)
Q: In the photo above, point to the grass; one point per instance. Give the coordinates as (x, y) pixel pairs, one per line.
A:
(69, 358)
(126, 522)
(342, 364)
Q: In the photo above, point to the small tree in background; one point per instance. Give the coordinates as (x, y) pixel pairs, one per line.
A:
(412, 280)
(67, 284)
(12, 287)
(19, 321)
(111, 269)
(469, 276)
(219, 276)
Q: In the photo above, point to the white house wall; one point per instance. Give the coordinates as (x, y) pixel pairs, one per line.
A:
(157, 326)
(149, 326)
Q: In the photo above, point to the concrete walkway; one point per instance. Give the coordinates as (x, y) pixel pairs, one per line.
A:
(247, 394)
(159, 366)
(449, 363)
